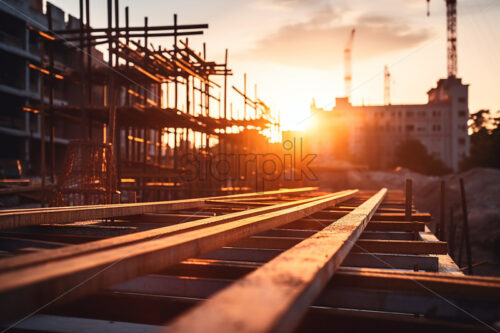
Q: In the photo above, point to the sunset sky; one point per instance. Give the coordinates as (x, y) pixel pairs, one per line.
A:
(293, 49)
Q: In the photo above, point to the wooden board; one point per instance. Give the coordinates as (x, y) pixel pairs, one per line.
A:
(26, 289)
(23, 217)
(295, 278)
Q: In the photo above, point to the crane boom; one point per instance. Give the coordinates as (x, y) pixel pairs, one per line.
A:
(347, 65)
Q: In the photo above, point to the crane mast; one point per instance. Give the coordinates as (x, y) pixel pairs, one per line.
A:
(387, 86)
(348, 66)
(451, 27)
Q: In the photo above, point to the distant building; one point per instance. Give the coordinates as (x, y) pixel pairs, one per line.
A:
(20, 81)
(370, 134)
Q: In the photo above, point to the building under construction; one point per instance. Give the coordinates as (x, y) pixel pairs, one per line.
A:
(101, 130)
(152, 117)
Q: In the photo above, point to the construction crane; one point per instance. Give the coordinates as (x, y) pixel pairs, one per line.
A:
(387, 86)
(348, 66)
(451, 24)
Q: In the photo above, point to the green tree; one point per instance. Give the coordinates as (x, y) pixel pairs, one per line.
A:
(484, 142)
(412, 154)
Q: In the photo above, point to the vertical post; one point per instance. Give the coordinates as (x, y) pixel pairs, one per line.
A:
(175, 148)
(175, 62)
(117, 136)
(225, 85)
(110, 91)
(255, 102)
(408, 199)
(51, 100)
(466, 227)
(82, 62)
(206, 85)
(117, 26)
(442, 215)
(127, 38)
(42, 126)
(245, 96)
(146, 32)
(89, 61)
(451, 234)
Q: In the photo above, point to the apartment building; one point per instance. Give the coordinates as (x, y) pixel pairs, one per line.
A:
(370, 134)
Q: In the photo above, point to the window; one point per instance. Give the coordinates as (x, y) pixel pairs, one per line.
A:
(436, 128)
(410, 128)
(461, 141)
(436, 113)
(409, 114)
(462, 99)
(462, 113)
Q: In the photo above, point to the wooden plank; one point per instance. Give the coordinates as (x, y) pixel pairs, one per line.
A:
(392, 261)
(24, 217)
(462, 286)
(180, 286)
(295, 278)
(267, 242)
(242, 254)
(52, 323)
(13, 243)
(46, 256)
(322, 319)
(426, 304)
(387, 235)
(395, 226)
(287, 233)
(446, 263)
(378, 260)
(402, 247)
(417, 217)
(188, 285)
(26, 289)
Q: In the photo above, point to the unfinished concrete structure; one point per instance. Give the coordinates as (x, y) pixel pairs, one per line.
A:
(162, 109)
(20, 82)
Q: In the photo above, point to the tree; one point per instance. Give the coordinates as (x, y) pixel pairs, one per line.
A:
(484, 142)
(412, 154)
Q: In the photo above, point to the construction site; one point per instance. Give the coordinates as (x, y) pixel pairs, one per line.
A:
(146, 186)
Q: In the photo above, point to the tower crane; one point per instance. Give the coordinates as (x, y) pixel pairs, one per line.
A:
(348, 66)
(451, 24)
(387, 86)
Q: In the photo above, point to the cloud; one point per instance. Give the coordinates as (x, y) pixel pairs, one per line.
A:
(319, 42)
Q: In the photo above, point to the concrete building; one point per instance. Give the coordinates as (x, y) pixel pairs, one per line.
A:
(21, 77)
(370, 134)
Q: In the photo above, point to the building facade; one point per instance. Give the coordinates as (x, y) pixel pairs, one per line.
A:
(21, 76)
(370, 134)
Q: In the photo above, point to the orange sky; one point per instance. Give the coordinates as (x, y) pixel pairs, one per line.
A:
(293, 49)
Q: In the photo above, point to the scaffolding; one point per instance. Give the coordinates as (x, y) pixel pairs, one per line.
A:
(158, 107)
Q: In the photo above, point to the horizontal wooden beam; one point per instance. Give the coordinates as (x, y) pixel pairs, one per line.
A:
(321, 319)
(388, 235)
(392, 261)
(425, 282)
(26, 289)
(96, 245)
(295, 278)
(395, 226)
(402, 247)
(23, 217)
